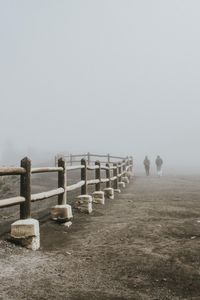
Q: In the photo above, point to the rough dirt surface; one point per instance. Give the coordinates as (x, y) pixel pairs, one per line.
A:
(144, 244)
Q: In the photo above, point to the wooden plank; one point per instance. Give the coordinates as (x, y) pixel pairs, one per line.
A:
(45, 195)
(4, 171)
(104, 180)
(79, 155)
(104, 167)
(46, 170)
(93, 181)
(92, 168)
(75, 186)
(11, 201)
(70, 168)
(113, 167)
(113, 178)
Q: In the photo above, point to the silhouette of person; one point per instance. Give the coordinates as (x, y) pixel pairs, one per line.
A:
(147, 165)
(159, 163)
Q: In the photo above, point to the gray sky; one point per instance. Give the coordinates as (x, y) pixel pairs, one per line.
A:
(118, 76)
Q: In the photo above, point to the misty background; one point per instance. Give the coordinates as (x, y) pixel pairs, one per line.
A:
(105, 76)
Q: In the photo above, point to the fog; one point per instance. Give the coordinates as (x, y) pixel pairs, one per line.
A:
(106, 76)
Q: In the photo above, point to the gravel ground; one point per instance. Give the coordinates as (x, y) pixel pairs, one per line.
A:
(144, 244)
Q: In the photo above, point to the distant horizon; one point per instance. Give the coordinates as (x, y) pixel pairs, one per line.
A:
(47, 156)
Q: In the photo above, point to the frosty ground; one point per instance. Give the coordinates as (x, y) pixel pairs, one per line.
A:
(144, 244)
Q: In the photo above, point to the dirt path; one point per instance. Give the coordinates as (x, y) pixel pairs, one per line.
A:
(145, 244)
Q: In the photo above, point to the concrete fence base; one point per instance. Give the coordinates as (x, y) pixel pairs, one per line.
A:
(98, 197)
(61, 213)
(109, 193)
(26, 233)
(129, 175)
(125, 179)
(84, 203)
(121, 184)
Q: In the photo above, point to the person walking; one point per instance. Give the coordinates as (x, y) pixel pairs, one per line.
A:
(147, 165)
(159, 163)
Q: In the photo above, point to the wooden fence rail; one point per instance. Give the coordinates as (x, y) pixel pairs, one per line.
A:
(71, 158)
(114, 171)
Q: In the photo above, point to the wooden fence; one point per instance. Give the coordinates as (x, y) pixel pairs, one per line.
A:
(74, 158)
(114, 172)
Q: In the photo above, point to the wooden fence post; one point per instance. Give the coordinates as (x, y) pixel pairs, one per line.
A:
(115, 171)
(88, 158)
(120, 171)
(124, 167)
(131, 163)
(62, 182)
(108, 183)
(128, 162)
(25, 189)
(71, 159)
(55, 159)
(84, 176)
(108, 158)
(98, 176)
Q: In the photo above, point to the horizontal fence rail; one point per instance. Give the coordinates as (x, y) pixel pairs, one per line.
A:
(109, 173)
(74, 158)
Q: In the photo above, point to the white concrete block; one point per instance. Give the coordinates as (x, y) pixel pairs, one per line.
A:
(121, 184)
(117, 191)
(26, 233)
(98, 197)
(125, 179)
(84, 203)
(109, 193)
(61, 212)
(129, 175)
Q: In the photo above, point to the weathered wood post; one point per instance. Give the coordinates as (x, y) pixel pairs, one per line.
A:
(25, 189)
(115, 183)
(88, 158)
(98, 195)
(124, 176)
(124, 165)
(108, 158)
(120, 182)
(98, 176)
(128, 168)
(26, 231)
(131, 164)
(109, 192)
(62, 181)
(84, 176)
(108, 183)
(84, 202)
(62, 211)
(71, 159)
(120, 171)
(55, 159)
